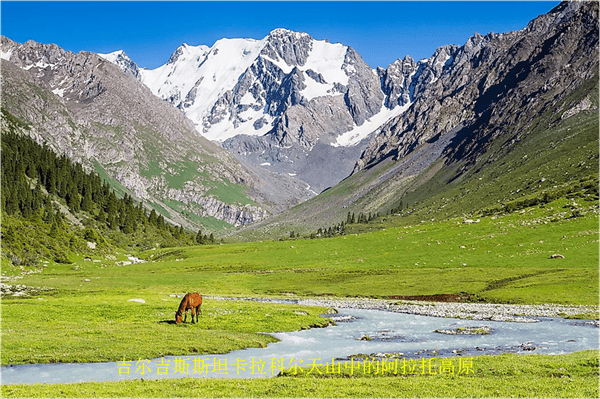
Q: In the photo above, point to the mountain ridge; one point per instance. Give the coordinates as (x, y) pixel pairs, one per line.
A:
(271, 101)
(98, 118)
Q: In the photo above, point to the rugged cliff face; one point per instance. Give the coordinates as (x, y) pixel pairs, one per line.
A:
(83, 106)
(490, 87)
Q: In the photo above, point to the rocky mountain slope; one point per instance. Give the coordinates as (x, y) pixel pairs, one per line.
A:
(470, 109)
(493, 83)
(83, 106)
(306, 108)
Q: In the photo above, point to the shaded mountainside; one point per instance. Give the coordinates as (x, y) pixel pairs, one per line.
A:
(53, 210)
(498, 88)
(508, 115)
(84, 107)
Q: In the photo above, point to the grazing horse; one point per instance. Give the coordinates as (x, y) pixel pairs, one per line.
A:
(189, 301)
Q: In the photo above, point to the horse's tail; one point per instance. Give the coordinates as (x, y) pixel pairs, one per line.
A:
(198, 303)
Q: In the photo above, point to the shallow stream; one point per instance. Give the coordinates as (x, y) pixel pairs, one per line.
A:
(358, 331)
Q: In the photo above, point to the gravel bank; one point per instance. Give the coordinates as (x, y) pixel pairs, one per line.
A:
(474, 311)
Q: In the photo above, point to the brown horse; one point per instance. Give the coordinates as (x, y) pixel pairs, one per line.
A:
(189, 301)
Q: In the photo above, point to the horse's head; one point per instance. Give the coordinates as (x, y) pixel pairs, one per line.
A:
(177, 317)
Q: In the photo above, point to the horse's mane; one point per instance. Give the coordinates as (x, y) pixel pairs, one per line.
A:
(183, 304)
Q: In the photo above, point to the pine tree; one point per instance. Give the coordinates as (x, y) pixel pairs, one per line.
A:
(112, 222)
(2, 197)
(9, 234)
(86, 202)
(153, 219)
(101, 218)
(161, 222)
(12, 206)
(55, 230)
(127, 226)
(73, 200)
(30, 171)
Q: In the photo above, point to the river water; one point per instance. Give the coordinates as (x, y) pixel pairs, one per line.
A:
(408, 336)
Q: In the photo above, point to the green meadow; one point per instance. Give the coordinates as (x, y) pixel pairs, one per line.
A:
(82, 312)
(505, 376)
(498, 259)
(98, 327)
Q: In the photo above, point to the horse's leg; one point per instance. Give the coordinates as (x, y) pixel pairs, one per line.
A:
(194, 313)
(185, 318)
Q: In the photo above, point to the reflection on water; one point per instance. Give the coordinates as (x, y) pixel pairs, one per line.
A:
(368, 332)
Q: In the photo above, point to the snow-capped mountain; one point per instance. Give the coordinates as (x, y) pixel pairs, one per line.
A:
(244, 86)
(121, 59)
(298, 106)
(288, 103)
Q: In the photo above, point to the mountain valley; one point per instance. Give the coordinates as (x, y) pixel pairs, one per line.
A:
(295, 187)
(245, 133)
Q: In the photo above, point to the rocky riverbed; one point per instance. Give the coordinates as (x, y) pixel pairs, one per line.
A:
(471, 311)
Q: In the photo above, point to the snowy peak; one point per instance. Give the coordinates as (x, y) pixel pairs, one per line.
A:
(235, 86)
(186, 52)
(283, 32)
(196, 76)
(115, 56)
(121, 59)
(291, 47)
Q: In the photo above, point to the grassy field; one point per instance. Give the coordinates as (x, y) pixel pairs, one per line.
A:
(504, 258)
(81, 312)
(98, 327)
(505, 376)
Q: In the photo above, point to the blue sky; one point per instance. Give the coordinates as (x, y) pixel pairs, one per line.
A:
(150, 31)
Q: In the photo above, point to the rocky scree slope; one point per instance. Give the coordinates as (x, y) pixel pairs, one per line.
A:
(83, 106)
